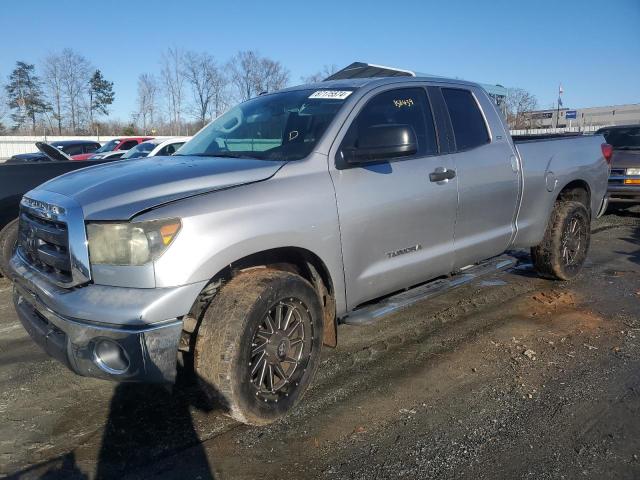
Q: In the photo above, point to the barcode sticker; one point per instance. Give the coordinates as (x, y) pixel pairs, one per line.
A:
(331, 94)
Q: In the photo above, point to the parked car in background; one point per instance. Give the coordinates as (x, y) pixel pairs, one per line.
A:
(70, 147)
(624, 181)
(115, 155)
(17, 178)
(125, 143)
(156, 147)
(290, 213)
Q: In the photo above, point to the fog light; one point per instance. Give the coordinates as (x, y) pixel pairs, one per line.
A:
(110, 357)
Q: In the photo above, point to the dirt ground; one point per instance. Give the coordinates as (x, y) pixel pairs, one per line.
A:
(508, 377)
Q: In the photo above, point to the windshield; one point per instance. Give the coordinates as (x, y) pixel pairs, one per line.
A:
(623, 138)
(280, 126)
(108, 147)
(140, 150)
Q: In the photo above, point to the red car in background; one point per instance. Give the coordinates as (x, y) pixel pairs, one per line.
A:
(124, 143)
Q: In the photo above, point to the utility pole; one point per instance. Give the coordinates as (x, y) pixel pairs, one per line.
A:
(560, 92)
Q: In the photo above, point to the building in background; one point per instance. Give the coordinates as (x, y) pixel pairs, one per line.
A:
(584, 118)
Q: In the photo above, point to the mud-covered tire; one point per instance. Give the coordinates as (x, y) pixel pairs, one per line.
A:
(8, 239)
(564, 248)
(232, 329)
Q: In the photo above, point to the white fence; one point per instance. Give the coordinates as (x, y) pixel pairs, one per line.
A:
(546, 131)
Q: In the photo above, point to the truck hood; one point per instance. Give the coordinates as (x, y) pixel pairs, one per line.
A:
(122, 189)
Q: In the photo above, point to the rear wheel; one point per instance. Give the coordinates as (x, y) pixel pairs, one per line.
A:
(258, 346)
(8, 240)
(565, 245)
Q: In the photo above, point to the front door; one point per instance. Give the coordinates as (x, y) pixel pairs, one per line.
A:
(396, 221)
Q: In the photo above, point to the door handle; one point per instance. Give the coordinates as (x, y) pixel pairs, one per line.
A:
(442, 175)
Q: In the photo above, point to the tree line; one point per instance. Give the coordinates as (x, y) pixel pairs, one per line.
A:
(66, 94)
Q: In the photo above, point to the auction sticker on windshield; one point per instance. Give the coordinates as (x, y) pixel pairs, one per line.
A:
(332, 94)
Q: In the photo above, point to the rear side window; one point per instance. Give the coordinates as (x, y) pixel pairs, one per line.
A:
(405, 106)
(469, 128)
(73, 150)
(129, 144)
(170, 149)
(92, 147)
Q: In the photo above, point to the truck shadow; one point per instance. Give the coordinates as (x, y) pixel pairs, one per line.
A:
(146, 423)
(634, 239)
(149, 422)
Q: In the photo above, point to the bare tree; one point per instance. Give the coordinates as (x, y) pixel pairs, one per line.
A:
(519, 102)
(173, 78)
(221, 97)
(252, 74)
(244, 67)
(206, 82)
(327, 71)
(147, 98)
(4, 108)
(76, 73)
(273, 76)
(53, 73)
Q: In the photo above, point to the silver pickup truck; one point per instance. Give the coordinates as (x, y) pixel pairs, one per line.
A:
(282, 218)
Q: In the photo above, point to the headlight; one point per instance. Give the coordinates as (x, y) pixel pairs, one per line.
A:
(633, 171)
(130, 243)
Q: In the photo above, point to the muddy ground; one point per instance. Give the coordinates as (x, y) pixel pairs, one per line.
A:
(509, 377)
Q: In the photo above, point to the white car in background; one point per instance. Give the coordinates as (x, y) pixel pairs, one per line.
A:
(156, 147)
(150, 148)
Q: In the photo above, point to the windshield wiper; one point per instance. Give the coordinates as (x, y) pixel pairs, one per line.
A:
(627, 148)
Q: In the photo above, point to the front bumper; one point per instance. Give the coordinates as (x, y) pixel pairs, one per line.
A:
(150, 352)
(144, 325)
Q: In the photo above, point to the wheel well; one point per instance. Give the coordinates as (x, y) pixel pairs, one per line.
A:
(578, 191)
(291, 259)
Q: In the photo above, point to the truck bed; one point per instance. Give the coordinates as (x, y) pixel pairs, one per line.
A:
(548, 166)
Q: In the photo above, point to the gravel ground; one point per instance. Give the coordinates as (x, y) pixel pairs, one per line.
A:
(508, 377)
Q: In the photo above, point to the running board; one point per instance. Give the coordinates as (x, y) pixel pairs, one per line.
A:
(372, 312)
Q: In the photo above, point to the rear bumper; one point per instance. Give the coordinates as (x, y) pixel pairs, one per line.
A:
(624, 193)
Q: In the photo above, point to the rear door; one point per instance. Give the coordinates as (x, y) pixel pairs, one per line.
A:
(488, 177)
(396, 224)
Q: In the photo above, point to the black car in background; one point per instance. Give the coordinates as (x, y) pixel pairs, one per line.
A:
(624, 181)
(18, 177)
(70, 147)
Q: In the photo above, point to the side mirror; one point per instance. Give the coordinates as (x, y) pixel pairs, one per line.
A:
(379, 142)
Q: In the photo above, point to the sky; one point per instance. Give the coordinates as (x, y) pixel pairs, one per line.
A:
(592, 47)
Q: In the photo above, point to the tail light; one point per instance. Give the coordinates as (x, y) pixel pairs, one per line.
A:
(607, 152)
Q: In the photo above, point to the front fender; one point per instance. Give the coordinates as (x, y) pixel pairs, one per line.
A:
(295, 208)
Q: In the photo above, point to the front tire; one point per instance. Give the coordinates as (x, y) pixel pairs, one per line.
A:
(8, 240)
(564, 248)
(258, 345)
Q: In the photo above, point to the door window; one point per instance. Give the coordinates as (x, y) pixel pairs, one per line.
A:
(405, 106)
(469, 128)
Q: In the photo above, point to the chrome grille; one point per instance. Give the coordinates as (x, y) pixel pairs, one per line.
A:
(44, 243)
